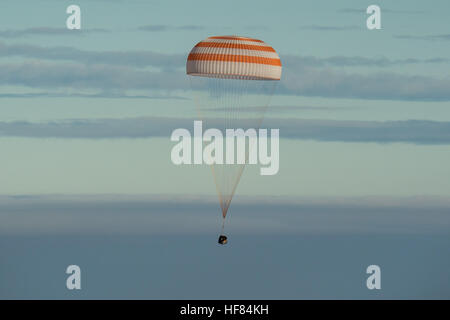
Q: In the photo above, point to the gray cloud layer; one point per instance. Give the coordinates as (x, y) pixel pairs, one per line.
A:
(121, 214)
(159, 28)
(411, 131)
(150, 58)
(383, 10)
(47, 31)
(108, 95)
(431, 37)
(326, 82)
(329, 28)
(81, 76)
(122, 58)
(355, 61)
(306, 76)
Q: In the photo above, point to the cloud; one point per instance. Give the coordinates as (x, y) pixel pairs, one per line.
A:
(432, 37)
(109, 95)
(170, 61)
(122, 214)
(122, 58)
(410, 131)
(278, 108)
(159, 28)
(297, 80)
(327, 82)
(258, 27)
(293, 61)
(80, 76)
(47, 31)
(383, 10)
(329, 28)
(93, 129)
(154, 28)
(302, 75)
(149, 58)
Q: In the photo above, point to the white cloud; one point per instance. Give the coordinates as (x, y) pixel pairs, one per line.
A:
(410, 131)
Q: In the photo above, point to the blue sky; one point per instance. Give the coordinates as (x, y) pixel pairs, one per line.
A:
(363, 115)
(126, 67)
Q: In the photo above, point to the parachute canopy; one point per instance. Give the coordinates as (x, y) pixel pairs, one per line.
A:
(234, 57)
(230, 77)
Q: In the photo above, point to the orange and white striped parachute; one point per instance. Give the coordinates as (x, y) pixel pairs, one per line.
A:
(234, 57)
(233, 79)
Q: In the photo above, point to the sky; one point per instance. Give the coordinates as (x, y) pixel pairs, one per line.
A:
(86, 117)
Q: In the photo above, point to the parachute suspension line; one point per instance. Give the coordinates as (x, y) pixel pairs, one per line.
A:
(223, 225)
(230, 104)
(235, 89)
(234, 96)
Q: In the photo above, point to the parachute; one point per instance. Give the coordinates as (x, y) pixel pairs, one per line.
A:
(233, 79)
